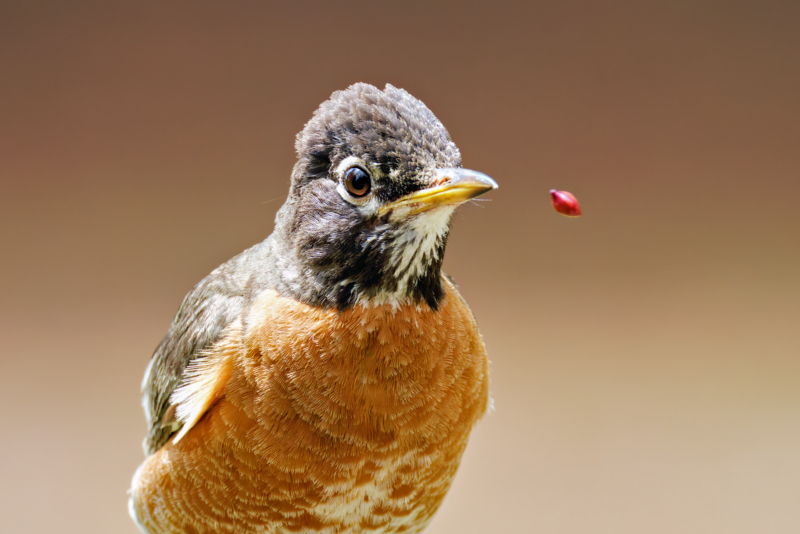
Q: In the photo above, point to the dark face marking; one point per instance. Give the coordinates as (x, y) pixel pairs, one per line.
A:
(346, 251)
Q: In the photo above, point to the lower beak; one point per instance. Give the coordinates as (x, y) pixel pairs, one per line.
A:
(452, 187)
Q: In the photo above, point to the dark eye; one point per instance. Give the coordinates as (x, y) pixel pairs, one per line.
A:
(356, 181)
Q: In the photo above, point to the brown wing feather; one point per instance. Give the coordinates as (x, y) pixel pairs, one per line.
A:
(209, 308)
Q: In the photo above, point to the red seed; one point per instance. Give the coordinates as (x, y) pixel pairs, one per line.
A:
(565, 203)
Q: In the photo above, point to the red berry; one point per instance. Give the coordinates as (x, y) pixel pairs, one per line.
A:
(565, 203)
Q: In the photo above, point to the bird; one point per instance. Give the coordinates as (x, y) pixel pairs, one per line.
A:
(327, 379)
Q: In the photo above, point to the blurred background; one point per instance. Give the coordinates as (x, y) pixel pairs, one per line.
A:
(646, 356)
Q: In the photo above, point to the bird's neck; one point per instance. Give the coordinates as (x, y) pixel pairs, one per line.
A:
(382, 264)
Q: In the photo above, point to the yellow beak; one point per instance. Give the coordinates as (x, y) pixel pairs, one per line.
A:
(453, 186)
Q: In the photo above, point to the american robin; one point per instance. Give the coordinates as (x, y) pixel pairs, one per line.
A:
(326, 379)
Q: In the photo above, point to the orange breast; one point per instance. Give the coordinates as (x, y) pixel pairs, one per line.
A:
(350, 421)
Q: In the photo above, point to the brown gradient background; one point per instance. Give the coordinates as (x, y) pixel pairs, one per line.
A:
(646, 357)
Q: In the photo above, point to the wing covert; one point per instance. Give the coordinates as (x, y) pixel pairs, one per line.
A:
(212, 305)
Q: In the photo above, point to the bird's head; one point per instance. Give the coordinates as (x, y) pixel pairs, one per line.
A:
(372, 194)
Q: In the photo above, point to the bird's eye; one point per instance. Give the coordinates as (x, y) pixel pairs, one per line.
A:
(357, 182)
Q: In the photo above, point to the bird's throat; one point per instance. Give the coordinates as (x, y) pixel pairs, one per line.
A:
(392, 262)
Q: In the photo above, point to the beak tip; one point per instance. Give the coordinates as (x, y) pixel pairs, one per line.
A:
(485, 181)
(475, 178)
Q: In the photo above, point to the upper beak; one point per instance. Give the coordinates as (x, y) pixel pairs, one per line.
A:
(451, 187)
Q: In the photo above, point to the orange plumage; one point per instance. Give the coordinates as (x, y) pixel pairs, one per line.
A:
(327, 421)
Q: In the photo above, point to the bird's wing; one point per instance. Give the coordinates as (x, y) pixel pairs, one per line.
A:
(210, 310)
